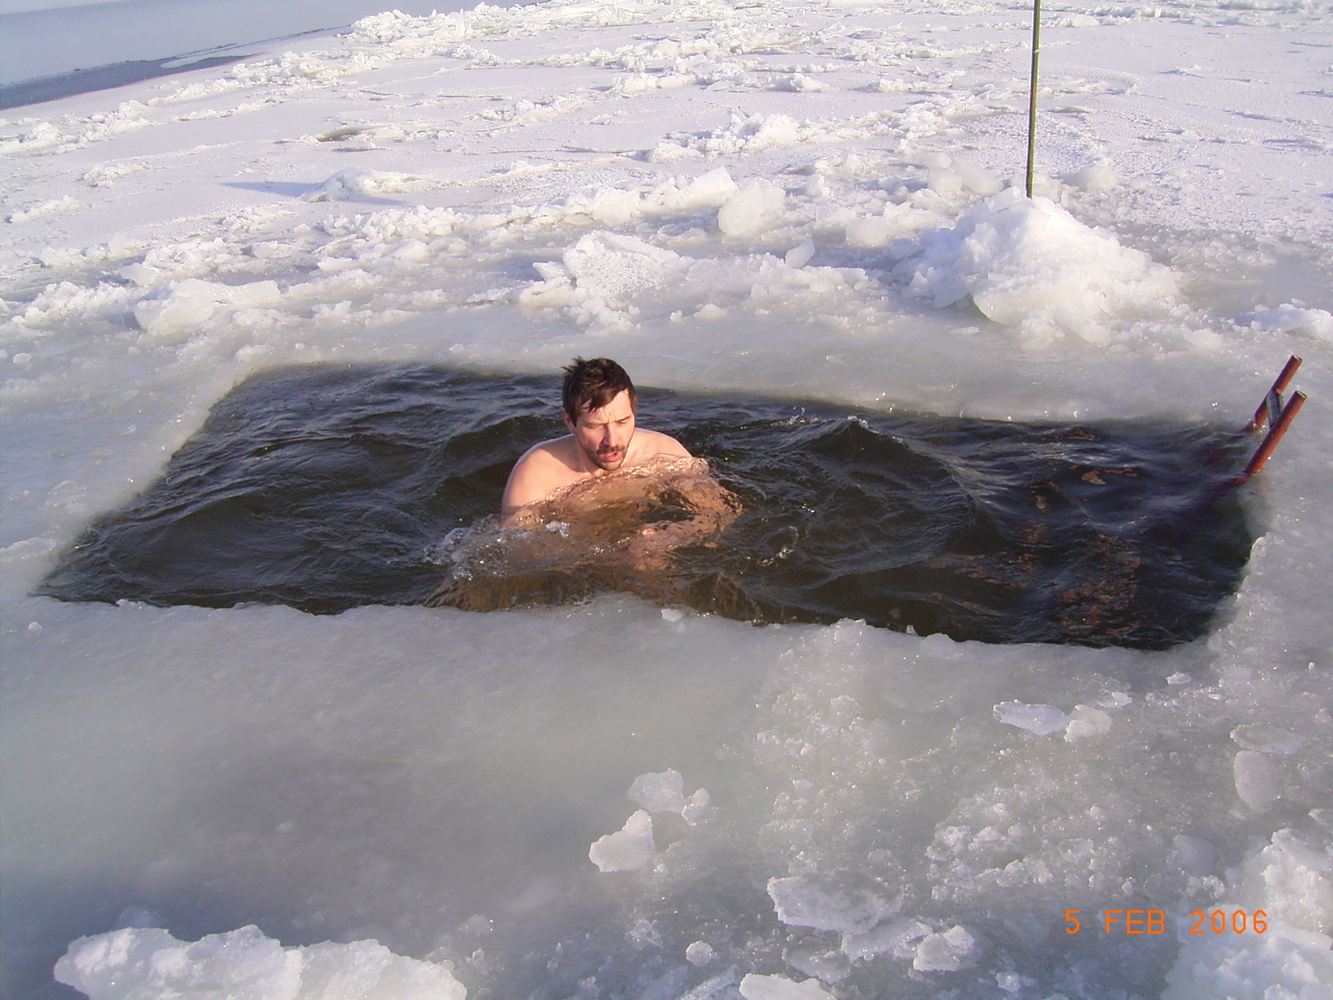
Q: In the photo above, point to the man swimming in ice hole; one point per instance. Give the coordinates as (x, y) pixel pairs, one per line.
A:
(605, 458)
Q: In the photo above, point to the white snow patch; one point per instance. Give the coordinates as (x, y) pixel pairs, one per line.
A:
(1097, 178)
(1291, 318)
(135, 964)
(757, 987)
(1291, 880)
(358, 183)
(56, 206)
(1197, 856)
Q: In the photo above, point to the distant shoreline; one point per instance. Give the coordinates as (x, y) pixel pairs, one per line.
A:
(87, 81)
(121, 74)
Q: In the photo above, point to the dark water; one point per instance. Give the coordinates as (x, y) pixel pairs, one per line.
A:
(328, 487)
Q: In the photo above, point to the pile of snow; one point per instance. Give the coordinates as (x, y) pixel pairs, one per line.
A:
(135, 964)
(1289, 879)
(1291, 318)
(610, 282)
(1030, 265)
(177, 309)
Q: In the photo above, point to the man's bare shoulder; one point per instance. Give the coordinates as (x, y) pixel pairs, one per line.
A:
(544, 467)
(556, 451)
(651, 444)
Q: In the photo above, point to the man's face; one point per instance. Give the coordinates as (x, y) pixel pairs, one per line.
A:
(603, 435)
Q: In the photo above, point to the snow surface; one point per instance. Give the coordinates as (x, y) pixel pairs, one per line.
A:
(806, 200)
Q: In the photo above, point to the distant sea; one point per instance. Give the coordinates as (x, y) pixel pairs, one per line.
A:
(58, 52)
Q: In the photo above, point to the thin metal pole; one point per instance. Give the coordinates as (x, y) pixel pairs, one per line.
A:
(1032, 98)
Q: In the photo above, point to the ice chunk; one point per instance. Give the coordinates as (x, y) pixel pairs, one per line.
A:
(799, 256)
(710, 190)
(628, 849)
(839, 901)
(699, 953)
(1040, 719)
(26, 549)
(1087, 722)
(664, 791)
(149, 962)
(661, 791)
(895, 938)
(756, 987)
(752, 209)
(697, 806)
(815, 958)
(613, 207)
(943, 952)
(1256, 779)
(1267, 739)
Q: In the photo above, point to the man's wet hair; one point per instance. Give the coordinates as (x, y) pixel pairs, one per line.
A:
(590, 385)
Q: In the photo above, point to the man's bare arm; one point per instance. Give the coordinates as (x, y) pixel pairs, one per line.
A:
(715, 508)
(534, 477)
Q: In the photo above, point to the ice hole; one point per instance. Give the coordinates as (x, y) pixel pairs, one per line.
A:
(326, 487)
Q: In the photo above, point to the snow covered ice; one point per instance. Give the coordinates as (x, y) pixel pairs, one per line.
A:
(811, 201)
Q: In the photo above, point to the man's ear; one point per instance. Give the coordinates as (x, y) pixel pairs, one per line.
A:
(568, 423)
